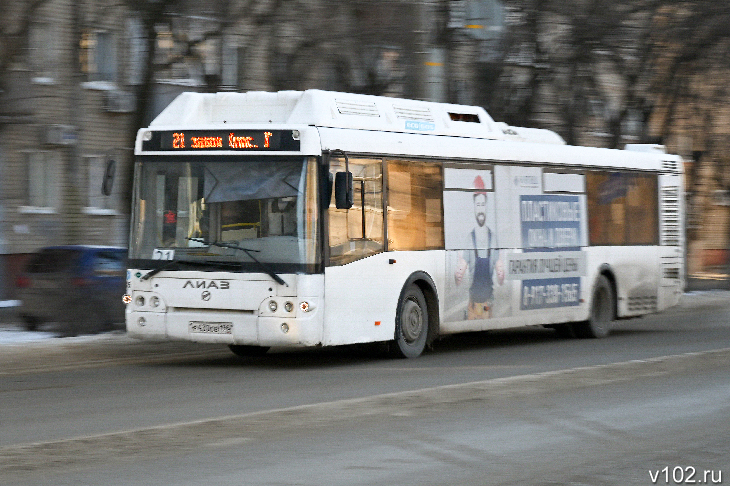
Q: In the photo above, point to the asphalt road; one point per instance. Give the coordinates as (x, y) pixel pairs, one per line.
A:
(64, 398)
(617, 434)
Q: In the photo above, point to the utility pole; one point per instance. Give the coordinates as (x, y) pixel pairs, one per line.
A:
(421, 49)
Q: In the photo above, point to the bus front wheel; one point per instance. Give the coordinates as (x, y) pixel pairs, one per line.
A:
(599, 322)
(411, 324)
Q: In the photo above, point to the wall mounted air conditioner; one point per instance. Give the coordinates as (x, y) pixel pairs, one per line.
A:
(118, 102)
(60, 135)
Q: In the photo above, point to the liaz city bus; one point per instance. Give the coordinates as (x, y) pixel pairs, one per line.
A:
(314, 218)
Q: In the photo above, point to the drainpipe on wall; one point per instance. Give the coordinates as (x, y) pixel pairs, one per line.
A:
(3, 243)
(71, 202)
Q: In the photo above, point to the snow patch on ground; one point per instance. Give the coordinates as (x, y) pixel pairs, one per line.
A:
(15, 334)
(8, 335)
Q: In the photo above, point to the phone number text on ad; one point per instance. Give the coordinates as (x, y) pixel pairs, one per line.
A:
(538, 294)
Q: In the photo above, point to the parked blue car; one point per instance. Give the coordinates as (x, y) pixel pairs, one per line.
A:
(76, 286)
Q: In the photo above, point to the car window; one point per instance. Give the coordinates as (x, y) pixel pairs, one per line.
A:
(107, 263)
(52, 260)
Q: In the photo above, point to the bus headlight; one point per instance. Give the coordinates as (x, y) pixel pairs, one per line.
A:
(139, 301)
(288, 307)
(273, 305)
(154, 301)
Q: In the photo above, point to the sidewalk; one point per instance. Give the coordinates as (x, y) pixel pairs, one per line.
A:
(8, 311)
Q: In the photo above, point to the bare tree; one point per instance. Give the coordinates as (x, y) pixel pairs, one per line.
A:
(578, 67)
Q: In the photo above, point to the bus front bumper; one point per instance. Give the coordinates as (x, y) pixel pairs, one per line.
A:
(226, 327)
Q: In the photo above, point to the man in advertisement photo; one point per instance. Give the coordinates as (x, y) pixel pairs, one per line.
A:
(483, 260)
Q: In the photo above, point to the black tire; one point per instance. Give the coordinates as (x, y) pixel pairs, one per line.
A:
(95, 321)
(87, 320)
(77, 316)
(602, 313)
(411, 324)
(246, 351)
(31, 322)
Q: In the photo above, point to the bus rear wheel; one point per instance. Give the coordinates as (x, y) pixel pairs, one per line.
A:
(599, 322)
(411, 324)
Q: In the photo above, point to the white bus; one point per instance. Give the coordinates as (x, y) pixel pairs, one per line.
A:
(318, 218)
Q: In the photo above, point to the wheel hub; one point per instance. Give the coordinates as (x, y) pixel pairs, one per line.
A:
(412, 322)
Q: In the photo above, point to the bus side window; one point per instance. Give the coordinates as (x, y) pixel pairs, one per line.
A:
(622, 208)
(415, 202)
(357, 232)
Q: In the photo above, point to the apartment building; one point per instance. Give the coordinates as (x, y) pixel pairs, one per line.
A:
(65, 112)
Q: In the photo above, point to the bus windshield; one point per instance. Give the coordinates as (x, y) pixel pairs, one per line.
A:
(231, 214)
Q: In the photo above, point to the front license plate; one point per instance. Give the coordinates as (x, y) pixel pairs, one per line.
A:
(210, 327)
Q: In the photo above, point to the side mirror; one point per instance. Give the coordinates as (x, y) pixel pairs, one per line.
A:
(343, 190)
(108, 182)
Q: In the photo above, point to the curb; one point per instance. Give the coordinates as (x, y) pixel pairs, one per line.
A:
(237, 429)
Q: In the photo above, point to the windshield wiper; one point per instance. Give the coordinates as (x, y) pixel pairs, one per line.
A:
(174, 263)
(248, 252)
(220, 244)
(157, 270)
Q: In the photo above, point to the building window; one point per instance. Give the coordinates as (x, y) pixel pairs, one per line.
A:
(233, 74)
(98, 56)
(136, 51)
(43, 52)
(96, 168)
(43, 179)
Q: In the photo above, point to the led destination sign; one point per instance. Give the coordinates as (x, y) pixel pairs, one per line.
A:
(243, 140)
